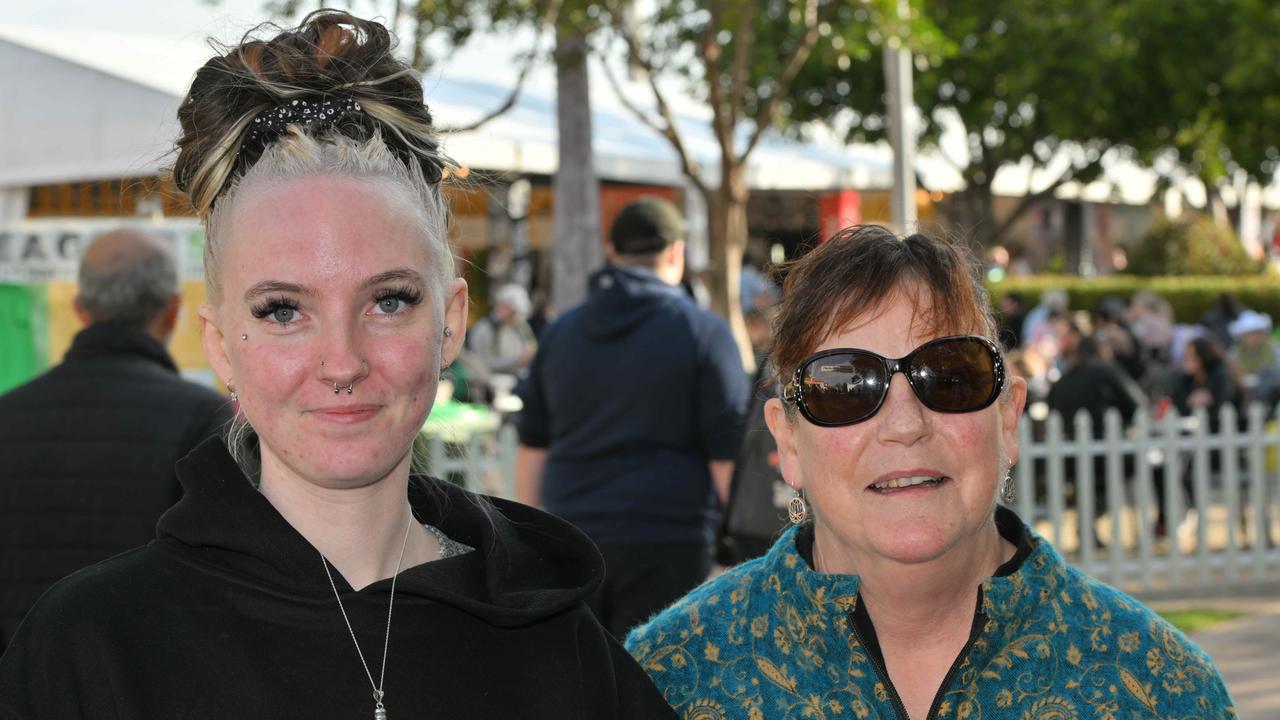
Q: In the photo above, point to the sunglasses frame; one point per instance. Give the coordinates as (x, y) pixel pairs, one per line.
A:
(793, 391)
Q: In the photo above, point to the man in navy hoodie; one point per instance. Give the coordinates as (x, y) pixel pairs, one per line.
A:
(632, 416)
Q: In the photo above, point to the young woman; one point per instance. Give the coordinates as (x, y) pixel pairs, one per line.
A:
(305, 574)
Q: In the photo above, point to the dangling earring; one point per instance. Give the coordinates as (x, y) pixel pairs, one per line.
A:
(1006, 487)
(798, 510)
(235, 396)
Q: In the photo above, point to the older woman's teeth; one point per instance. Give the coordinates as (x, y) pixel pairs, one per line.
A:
(907, 482)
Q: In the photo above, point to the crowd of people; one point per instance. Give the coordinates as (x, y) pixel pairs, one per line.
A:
(1134, 358)
(1140, 355)
(307, 571)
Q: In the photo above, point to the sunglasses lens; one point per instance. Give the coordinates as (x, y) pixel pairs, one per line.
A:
(956, 375)
(842, 388)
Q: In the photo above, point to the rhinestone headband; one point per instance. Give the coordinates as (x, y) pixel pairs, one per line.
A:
(271, 124)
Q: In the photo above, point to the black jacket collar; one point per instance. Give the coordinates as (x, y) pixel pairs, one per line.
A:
(112, 338)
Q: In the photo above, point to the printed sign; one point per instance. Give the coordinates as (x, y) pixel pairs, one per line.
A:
(33, 252)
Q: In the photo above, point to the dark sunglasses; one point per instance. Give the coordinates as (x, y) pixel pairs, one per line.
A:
(957, 374)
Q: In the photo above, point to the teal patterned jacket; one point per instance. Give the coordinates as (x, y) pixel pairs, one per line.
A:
(770, 639)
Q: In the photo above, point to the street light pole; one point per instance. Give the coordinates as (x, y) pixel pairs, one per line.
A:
(898, 81)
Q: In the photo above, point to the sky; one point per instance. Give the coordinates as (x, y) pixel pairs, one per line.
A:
(174, 19)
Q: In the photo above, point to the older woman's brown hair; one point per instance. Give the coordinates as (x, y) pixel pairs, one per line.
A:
(857, 270)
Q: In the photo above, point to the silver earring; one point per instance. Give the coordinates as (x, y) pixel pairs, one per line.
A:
(244, 336)
(1006, 488)
(798, 510)
(235, 396)
(448, 331)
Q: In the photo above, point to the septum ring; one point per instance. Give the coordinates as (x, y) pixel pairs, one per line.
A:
(351, 387)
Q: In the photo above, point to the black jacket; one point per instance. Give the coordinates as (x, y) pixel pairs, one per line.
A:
(1094, 386)
(632, 393)
(88, 452)
(229, 614)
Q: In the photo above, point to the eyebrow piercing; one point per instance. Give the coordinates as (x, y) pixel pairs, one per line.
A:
(244, 336)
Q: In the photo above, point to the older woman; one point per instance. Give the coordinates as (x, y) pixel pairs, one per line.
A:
(904, 591)
(306, 574)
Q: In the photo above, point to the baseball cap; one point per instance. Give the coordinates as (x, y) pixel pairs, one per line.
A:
(646, 226)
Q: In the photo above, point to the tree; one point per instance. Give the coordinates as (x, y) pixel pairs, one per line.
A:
(1205, 89)
(742, 59)
(1059, 89)
(577, 249)
(1023, 83)
(1198, 247)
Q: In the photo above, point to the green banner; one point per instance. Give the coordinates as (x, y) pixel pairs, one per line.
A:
(24, 333)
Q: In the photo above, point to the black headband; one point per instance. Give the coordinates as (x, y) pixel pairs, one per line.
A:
(271, 124)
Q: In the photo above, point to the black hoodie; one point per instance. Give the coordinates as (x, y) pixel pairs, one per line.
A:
(229, 614)
(632, 393)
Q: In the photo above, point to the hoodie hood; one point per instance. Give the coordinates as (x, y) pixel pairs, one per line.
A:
(623, 297)
(526, 564)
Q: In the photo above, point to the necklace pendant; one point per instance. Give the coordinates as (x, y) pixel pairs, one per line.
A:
(379, 713)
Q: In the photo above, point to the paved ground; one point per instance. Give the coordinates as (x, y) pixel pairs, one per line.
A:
(1247, 649)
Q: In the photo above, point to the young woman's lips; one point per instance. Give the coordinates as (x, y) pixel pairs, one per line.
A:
(346, 414)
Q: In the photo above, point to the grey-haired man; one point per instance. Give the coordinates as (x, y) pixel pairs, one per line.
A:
(89, 446)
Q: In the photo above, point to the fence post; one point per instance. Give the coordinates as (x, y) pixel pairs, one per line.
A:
(1172, 431)
(1085, 506)
(1228, 444)
(1025, 496)
(1200, 492)
(1142, 431)
(1054, 463)
(1263, 444)
(1115, 493)
(507, 459)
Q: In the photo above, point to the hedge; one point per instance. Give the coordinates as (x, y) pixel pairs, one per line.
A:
(1189, 296)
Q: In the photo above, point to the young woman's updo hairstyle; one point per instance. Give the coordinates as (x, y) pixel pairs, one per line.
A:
(327, 98)
(851, 275)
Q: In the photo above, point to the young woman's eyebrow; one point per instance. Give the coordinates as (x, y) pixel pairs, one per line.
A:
(270, 287)
(403, 274)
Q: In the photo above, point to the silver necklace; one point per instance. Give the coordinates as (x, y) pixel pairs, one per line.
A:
(379, 711)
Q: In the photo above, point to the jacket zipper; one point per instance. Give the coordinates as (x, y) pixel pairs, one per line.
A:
(881, 672)
(979, 621)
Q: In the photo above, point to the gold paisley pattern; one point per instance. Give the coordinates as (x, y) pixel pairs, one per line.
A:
(771, 640)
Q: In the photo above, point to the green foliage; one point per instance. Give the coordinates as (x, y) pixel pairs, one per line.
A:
(1203, 83)
(1198, 247)
(1189, 296)
(1192, 619)
(1192, 81)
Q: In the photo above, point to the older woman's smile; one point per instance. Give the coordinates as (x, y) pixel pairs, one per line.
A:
(908, 480)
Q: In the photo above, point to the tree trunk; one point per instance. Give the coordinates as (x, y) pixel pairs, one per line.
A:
(577, 250)
(727, 239)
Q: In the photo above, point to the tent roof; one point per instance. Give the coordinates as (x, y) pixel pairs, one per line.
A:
(92, 105)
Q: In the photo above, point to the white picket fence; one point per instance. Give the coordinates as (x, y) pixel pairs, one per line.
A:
(1228, 535)
(1224, 534)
